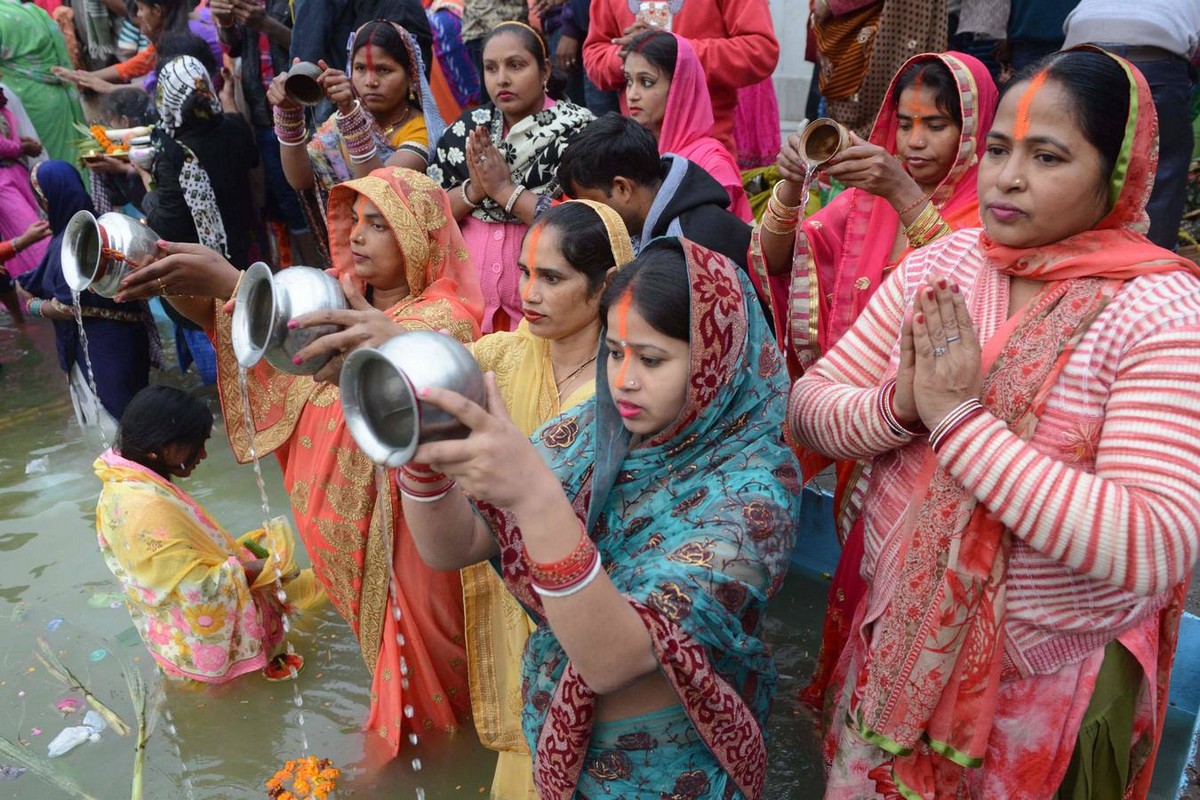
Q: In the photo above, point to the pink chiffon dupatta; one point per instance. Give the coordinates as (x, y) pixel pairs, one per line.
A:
(687, 125)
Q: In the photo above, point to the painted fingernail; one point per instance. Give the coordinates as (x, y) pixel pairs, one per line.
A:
(919, 319)
(941, 283)
(954, 288)
(297, 361)
(929, 294)
(293, 324)
(424, 392)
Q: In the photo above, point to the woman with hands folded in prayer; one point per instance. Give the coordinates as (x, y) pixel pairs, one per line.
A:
(1027, 396)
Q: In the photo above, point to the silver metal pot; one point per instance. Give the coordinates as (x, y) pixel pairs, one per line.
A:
(266, 302)
(380, 388)
(98, 253)
(301, 85)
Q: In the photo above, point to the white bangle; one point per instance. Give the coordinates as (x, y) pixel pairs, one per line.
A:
(579, 587)
(365, 157)
(512, 198)
(462, 188)
(431, 498)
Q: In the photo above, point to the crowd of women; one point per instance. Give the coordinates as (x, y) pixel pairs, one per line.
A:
(979, 340)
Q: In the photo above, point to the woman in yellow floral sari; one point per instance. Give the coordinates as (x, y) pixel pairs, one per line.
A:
(394, 243)
(203, 603)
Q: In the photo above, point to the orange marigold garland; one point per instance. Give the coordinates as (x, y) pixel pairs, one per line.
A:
(101, 136)
(310, 778)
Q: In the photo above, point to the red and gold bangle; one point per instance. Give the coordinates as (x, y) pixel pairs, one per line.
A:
(577, 585)
(952, 421)
(887, 410)
(570, 569)
(421, 473)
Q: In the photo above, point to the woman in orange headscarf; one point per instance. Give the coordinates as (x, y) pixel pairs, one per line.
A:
(392, 239)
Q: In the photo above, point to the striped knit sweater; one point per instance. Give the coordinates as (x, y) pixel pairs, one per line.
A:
(1103, 501)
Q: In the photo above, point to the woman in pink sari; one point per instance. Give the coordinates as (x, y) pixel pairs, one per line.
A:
(666, 91)
(911, 182)
(20, 209)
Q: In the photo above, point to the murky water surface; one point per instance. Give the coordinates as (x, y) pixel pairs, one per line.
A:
(228, 740)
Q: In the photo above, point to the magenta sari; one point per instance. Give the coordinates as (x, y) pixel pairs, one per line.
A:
(20, 209)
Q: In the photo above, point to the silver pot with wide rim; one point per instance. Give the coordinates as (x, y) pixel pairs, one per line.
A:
(380, 389)
(97, 253)
(264, 305)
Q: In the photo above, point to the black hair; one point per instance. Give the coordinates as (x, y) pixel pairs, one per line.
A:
(133, 104)
(174, 44)
(175, 14)
(1099, 92)
(935, 75)
(384, 35)
(583, 240)
(158, 416)
(658, 279)
(535, 45)
(659, 48)
(610, 147)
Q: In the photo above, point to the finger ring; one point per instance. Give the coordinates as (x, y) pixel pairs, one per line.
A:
(950, 339)
(161, 288)
(481, 160)
(939, 352)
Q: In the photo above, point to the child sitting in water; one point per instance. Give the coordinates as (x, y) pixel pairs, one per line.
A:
(205, 605)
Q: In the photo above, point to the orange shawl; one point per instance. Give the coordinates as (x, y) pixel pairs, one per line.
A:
(354, 533)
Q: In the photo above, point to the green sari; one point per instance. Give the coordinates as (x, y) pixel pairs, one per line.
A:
(30, 44)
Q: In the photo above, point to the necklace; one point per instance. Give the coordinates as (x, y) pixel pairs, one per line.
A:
(559, 384)
(390, 129)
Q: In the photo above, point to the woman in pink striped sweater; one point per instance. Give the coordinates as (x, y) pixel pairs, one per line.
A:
(1029, 397)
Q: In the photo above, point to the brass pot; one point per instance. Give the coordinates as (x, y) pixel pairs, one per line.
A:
(380, 388)
(822, 139)
(98, 253)
(264, 305)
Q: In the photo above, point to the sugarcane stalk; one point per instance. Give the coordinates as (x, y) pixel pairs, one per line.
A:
(59, 670)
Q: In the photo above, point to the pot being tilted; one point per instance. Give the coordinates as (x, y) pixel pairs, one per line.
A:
(97, 253)
(380, 388)
(264, 305)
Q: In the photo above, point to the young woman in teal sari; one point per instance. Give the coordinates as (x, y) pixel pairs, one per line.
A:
(648, 674)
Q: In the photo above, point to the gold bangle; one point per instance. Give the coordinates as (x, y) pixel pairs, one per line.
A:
(786, 226)
(237, 285)
(782, 205)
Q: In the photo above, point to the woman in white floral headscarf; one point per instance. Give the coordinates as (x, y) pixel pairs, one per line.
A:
(499, 163)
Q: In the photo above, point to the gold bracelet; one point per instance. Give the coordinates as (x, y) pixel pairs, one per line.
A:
(237, 285)
(786, 226)
(784, 207)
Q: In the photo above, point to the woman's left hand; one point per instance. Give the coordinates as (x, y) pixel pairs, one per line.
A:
(947, 369)
(869, 167)
(494, 176)
(362, 325)
(496, 463)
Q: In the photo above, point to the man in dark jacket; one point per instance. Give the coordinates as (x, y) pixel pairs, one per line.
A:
(615, 161)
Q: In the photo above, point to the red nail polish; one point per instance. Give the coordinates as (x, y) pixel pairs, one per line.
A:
(929, 294)
(292, 324)
(954, 288)
(941, 283)
(297, 361)
(424, 392)
(919, 319)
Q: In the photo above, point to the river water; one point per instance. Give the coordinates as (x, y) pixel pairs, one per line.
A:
(228, 740)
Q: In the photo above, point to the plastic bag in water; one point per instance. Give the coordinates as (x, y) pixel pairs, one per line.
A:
(69, 739)
(38, 466)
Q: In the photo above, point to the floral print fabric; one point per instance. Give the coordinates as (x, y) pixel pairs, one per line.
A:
(695, 528)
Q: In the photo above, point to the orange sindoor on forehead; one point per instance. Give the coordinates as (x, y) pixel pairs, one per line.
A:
(1021, 128)
(623, 306)
(535, 233)
(360, 212)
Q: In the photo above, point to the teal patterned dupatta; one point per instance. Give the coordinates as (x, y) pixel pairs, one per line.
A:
(695, 527)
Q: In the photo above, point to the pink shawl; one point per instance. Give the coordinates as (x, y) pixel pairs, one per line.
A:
(687, 121)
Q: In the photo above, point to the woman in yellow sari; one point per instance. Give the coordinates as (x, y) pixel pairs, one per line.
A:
(396, 246)
(203, 603)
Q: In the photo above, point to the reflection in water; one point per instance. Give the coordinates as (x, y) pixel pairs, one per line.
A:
(231, 738)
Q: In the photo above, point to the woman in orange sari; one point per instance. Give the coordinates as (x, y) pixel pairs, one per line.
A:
(392, 239)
